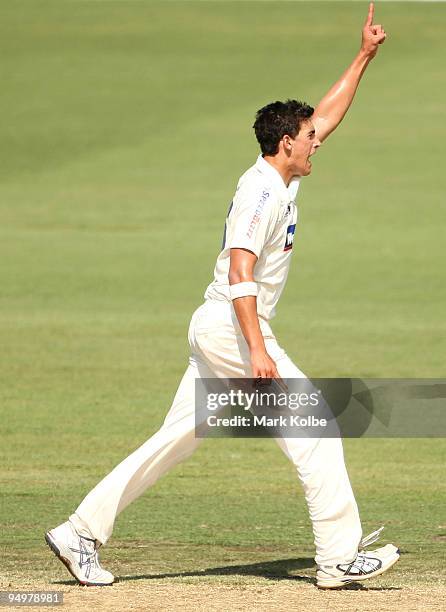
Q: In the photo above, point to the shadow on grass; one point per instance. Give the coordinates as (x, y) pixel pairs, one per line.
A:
(272, 570)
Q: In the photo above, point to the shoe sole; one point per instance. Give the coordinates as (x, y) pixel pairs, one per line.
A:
(68, 564)
(337, 583)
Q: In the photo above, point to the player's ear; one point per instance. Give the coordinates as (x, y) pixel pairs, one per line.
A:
(287, 143)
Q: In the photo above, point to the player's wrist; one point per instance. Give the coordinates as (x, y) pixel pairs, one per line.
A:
(365, 54)
(257, 347)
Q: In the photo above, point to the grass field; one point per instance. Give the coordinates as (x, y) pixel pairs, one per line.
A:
(125, 126)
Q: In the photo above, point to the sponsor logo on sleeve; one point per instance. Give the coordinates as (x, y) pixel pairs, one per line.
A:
(258, 213)
(289, 237)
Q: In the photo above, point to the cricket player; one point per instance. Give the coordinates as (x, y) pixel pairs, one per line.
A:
(230, 336)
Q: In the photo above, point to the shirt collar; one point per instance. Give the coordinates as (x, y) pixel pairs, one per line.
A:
(268, 170)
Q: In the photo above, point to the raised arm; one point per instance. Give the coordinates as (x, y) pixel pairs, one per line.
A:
(332, 108)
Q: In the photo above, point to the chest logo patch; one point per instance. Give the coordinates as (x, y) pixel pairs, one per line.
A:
(289, 237)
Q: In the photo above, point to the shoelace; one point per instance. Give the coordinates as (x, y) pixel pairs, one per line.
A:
(371, 538)
(87, 558)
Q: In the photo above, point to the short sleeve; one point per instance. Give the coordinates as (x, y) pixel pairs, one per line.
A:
(252, 219)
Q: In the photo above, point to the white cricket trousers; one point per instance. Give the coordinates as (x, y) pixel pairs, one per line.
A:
(218, 349)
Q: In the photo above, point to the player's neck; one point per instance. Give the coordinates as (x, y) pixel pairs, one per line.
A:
(280, 166)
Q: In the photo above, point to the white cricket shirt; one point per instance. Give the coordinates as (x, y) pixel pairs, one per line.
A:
(262, 218)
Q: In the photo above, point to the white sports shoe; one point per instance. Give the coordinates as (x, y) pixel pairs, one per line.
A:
(367, 564)
(79, 555)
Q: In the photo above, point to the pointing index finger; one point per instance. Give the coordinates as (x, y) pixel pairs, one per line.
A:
(369, 20)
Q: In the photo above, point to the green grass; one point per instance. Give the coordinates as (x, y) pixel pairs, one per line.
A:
(125, 126)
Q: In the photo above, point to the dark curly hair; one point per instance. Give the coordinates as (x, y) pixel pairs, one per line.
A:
(275, 120)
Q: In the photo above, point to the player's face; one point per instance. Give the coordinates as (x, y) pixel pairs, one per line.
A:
(302, 147)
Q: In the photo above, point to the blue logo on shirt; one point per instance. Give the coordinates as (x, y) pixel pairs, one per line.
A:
(289, 237)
